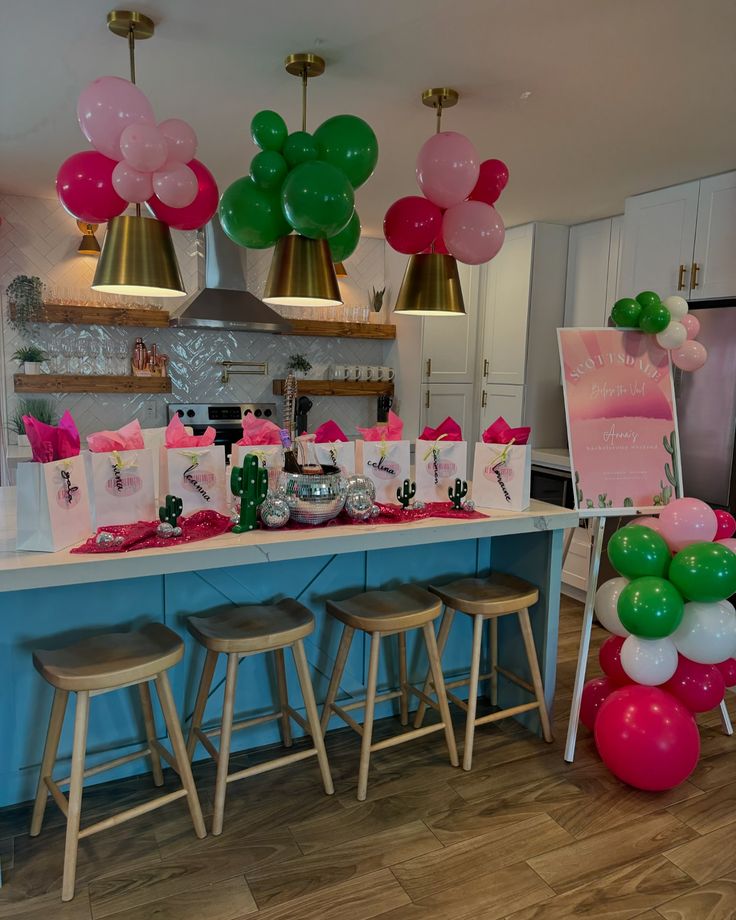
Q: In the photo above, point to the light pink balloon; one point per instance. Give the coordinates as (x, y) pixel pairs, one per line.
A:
(181, 141)
(447, 168)
(685, 521)
(692, 324)
(105, 107)
(689, 357)
(131, 184)
(143, 147)
(651, 522)
(473, 232)
(175, 185)
(729, 543)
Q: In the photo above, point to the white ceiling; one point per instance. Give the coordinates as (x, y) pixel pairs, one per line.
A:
(626, 95)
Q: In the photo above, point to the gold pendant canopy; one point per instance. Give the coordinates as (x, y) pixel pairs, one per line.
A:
(431, 287)
(302, 274)
(138, 259)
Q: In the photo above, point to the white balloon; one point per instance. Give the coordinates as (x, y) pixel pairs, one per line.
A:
(707, 633)
(674, 335)
(649, 661)
(677, 306)
(606, 605)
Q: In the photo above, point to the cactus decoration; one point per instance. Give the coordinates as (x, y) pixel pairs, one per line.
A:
(458, 493)
(406, 493)
(250, 484)
(169, 517)
(578, 490)
(671, 472)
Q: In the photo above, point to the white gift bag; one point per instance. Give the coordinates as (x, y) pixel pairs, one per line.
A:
(437, 465)
(197, 476)
(502, 476)
(337, 453)
(52, 505)
(270, 457)
(122, 486)
(387, 465)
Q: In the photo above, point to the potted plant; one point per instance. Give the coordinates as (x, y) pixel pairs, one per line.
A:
(41, 409)
(25, 294)
(376, 301)
(299, 365)
(30, 358)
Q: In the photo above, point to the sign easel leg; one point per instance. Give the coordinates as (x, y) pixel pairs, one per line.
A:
(726, 719)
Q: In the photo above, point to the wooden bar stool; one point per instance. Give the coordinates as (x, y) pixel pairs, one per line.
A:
(90, 668)
(487, 599)
(387, 613)
(238, 633)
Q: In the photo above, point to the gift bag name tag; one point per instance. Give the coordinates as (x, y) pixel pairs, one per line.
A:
(438, 464)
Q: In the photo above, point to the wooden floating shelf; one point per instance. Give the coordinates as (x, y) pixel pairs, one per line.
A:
(336, 388)
(341, 330)
(101, 316)
(90, 383)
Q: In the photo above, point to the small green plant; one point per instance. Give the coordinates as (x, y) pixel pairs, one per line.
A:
(604, 501)
(299, 363)
(30, 353)
(25, 294)
(406, 493)
(458, 493)
(670, 445)
(169, 513)
(40, 409)
(377, 298)
(250, 484)
(665, 494)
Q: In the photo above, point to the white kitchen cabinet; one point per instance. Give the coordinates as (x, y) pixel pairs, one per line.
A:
(449, 399)
(714, 258)
(592, 272)
(506, 400)
(448, 342)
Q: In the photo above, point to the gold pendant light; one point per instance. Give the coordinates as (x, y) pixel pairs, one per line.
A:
(302, 273)
(138, 257)
(89, 245)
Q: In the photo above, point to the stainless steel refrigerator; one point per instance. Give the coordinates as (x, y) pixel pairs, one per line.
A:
(706, 412)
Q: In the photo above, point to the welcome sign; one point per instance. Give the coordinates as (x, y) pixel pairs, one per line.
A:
(621, 420)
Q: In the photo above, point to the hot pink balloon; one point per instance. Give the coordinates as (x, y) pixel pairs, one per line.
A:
(492, 179)
(595, 693)
(692, 324)
(85, 189)
(181, 141)
(729, 543)
(700, 687)
(143, 147)
(685, 521)
(609, 658)
(728, 671)
(411, 224)
(175, 185)
(447, 168)
(473, 232)
(130, 184)
(689, 357)
(726, 524)
(105, 107)
(200, 211)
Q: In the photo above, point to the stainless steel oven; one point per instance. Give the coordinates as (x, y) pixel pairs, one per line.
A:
(225, 418)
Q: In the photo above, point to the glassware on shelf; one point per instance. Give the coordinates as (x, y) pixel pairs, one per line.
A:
(122, 360)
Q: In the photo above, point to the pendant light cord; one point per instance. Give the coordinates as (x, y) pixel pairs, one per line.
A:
(305, 79)
(439, 116)
(131, 56)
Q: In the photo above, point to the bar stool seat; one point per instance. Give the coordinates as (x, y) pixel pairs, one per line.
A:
(406, 607)
(496, 595)
(255, 628)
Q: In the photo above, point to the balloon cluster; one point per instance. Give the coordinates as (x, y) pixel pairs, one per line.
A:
(134, 161)
(303, 182)
(669, 320)
(456, 216)
(673, 648)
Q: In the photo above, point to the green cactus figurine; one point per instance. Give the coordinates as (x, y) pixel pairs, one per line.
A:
(670, 445)
(458, 493)
(250, 484)
(406, 493)
(169, 513)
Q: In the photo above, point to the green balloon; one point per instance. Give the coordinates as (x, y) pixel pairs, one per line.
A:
(348, 143)
(648, 299)
(654, 319)
(704, 572)
(300, 147)
(268, 130)
(251, 216)
(626, 312)
(344, 243)
(268, 169)
(650, 607)
(317, 199)
(637, 551)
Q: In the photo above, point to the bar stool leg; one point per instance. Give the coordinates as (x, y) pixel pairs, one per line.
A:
(205, 682)
(444, 631)
(56, 721)
(302, 670)
(183, 767)
(494, 660)
(147, 708)
(439, 683)
(74, 811)
(370, 705)
(403, 679)
(473, 691)
(283, 697)
(332, 690)
(531, 654)
(223, 761)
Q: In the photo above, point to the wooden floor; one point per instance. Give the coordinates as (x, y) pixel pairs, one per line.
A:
(524, 836)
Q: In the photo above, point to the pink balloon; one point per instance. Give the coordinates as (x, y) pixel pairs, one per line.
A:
(143, 147)
(105, 107)
(726, 524)
(200, 211)
(492, 179)
(609, 658)
(685, 521)
(700, 687)
(447, 168)
(594, 694)
(689, 357)
(647, 738)
(728, 671)
(651, 522)
(130, 184)
(181, 141)
(473, 232)
(729, 543)
(692, 324)
(411, 224)
(85, 189)
(175, 185)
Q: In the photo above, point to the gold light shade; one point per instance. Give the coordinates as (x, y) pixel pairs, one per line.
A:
(138, 258)
(89, 245)
(302, 274)
(431, 287)
(340, 270)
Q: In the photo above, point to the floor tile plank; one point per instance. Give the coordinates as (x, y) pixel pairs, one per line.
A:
(708, 857)
(708, 811)
(714, 901)
(224, 900)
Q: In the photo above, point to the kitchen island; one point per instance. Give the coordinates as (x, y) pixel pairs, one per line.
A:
(51, 599)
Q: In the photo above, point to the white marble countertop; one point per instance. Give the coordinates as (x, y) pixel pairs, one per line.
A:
(19, 570)
(556, 458)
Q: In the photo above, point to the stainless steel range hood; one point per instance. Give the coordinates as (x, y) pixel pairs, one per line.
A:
(222, 301)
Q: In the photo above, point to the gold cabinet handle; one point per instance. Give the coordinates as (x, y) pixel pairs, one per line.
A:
(486, 367)
(694, 275)
(681, 278)
(427, 400)
(429, 367)
(484, 400)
